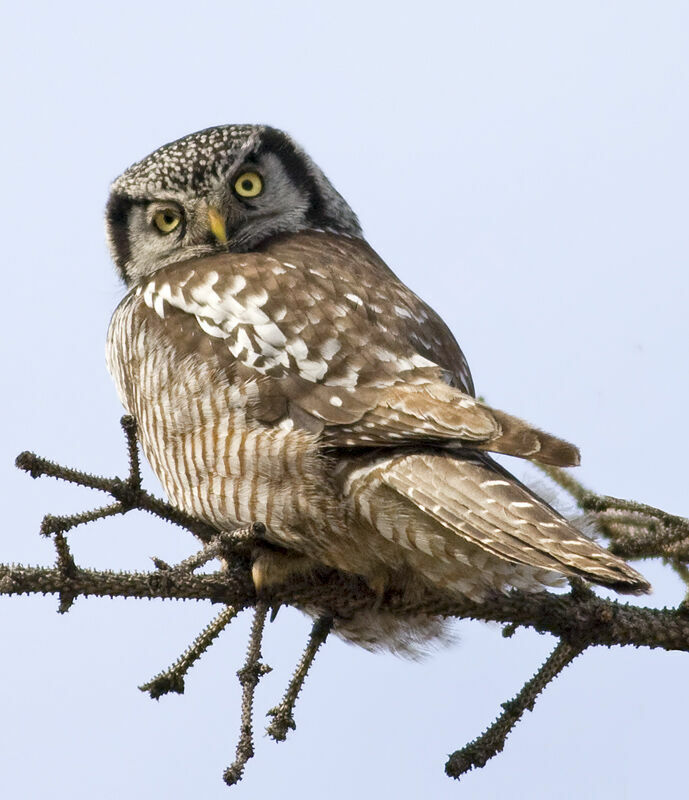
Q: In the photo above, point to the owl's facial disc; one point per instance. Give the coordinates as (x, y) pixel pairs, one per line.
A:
(230, 188)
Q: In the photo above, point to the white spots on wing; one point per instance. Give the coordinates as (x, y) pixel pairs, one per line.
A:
(159, 305)
(355, 299)
(522, 504)
(329, 348)
(149, 290)
(489, 483)
(241, 343)
(236, 284)
(402, 363)
(385, 355)
(208, 326)
(288, 265)
(316, 273)
(335, 401)
(296, 328)
(278, 270)
(275, 356)
(271, 334)
(182, 282)
(348, 381)
(298, 349)
(279, 314)
(312, 370)
(258, 299)
(402, 312)
(203, 293)
(250, 357)
(419, 361)
(252, 315)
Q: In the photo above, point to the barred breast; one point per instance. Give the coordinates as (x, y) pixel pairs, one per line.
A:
(213, 458)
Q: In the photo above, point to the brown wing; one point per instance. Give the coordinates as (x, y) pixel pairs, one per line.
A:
(340, 346)
(473, 497)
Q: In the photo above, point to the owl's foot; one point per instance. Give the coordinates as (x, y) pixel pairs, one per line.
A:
(277, 567)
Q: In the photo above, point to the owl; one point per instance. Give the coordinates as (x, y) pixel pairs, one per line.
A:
(281, 373)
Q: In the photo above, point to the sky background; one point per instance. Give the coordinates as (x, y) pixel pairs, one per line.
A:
(523, 167)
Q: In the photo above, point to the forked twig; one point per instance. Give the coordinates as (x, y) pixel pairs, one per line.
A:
(223, 543)
(127, 493)
(283, 713)
(68, 569)
(635, 530)
(492, 740)
(249, 676)
(172, 679)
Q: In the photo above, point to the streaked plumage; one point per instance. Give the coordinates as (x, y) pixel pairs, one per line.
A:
(285, 375)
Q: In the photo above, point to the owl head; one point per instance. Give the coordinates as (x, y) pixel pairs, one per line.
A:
(229, 188)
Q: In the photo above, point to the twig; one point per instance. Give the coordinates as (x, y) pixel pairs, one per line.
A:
(172, 679)
(635, 530)
(565, 481)
(128, 493)
(283, 713)
(62, 524)
(223, 544)
(492, 741)
(129, 427)
(67, 568)
(249, 676)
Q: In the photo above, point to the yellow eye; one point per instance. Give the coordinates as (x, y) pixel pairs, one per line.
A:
(167, 219)
(249, 184)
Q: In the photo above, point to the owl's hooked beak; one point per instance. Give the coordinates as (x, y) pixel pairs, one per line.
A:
(217, 225)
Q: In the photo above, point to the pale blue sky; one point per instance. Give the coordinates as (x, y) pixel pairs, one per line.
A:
(523, 166)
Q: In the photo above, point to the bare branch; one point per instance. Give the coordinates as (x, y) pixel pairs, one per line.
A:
(283, 713)
(172, 679)
(249, 676)
(492, 741)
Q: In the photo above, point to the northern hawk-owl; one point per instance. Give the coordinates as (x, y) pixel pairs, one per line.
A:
(280, 372)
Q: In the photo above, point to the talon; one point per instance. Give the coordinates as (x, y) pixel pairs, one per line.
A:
(273, 568)
(258, 575)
